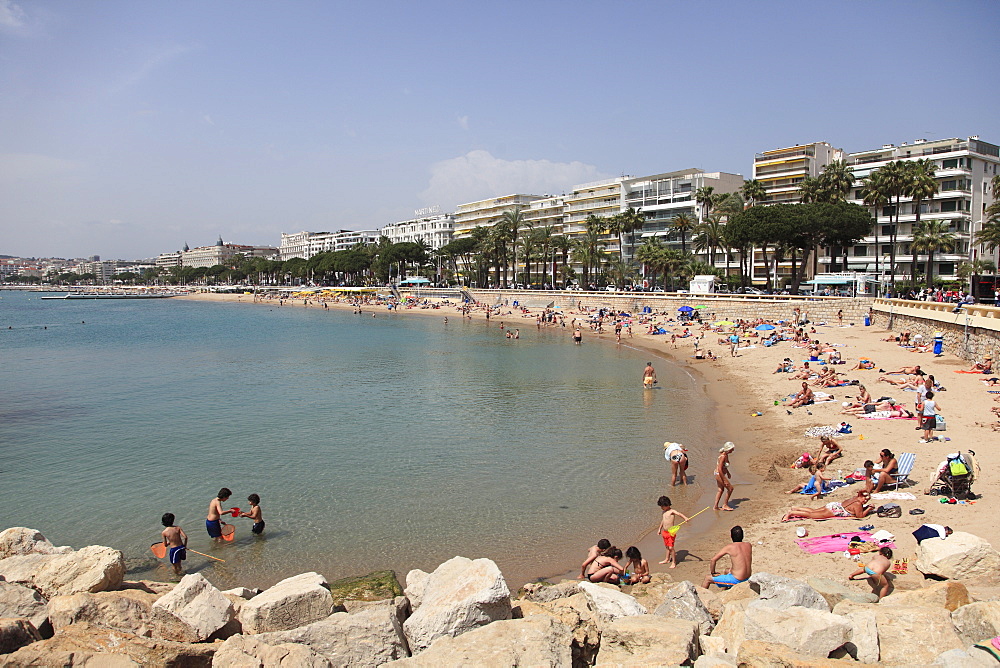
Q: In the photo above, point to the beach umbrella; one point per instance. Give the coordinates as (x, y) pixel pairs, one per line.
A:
(764, 327)
(723, 323)
(685, 309)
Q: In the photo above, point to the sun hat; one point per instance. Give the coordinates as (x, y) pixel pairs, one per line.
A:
(728, 446)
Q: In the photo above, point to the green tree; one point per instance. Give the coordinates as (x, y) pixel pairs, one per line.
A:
(932, 236)
(836, 181)
(895, 177)
(704, 197)
(513, 222)
(968, 270)
(683, 223)
(709, 236)
(921, 186)
(753, 192)
(875, 193)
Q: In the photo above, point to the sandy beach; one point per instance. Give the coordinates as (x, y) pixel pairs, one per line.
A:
(767, 444)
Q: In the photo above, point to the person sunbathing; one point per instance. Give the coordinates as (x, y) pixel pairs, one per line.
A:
(906, 370)
(785, 366)
(855, 506)
(908, 381)
(986, 366)
(886, 470)
(803, 373)
(863, 363)
(802, 398)
(825, 375)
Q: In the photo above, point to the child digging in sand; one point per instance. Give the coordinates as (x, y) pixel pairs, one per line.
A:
(669, 520)
(637, 568)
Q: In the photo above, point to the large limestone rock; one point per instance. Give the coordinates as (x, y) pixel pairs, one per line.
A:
(759, 654)
(92, 569)
(863, 645)
(376, 586)
(86, 645)
(948, 595)
(20, 601)
(15, 633)
(609, 603)
(460, 595)
(120, 613)
(960, 556)
(914, 636)
(730, 625)
(370, 637)
(682, 602)
(251, 652)
(834, 592)
(21, 540)
(780, 592)
(804, 630)
(956, 658)
(533, 641)
(573, 612)
(293, 602)
(542, 593)
(648, 640)
(416, 580)
(715, 661)
(196, 604)
(976, 622)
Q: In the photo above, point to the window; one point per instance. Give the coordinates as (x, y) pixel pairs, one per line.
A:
(947, 268)
(860, 251)
(886, 249)
(887, 230)
(949, 164)
(949, 206)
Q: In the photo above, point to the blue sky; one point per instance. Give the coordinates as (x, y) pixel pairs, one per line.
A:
(132, 127)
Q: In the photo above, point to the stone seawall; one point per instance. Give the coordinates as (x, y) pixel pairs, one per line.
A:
(971, 333)
(717, 307)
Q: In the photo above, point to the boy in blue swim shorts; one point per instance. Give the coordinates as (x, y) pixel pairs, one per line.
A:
(213, 521)
(740, 559)
(176, 541)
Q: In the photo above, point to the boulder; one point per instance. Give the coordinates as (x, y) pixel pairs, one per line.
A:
(120, 613)
(730, 625)
(712, 644)
(780, 592)
(738, 592)
(20, 601)
(92, 569)
(648, 640)
(977, 621)
(293, 602)
(807, 631)
(86, 645)
(716, 661)
(609, 603)
(251, 652)
(758, 654)
(863, 645)
(957, 658)
(416, 580)
(15, 633)
(241, 592)
(540, 592)
(834, 592)
(914, 635)
(682, 602)
(196, 604)
(712, 602)
(21, 540)
(533, 641)
(460, 595)
(960, 556)
(399, 606)
(573, 612)
(947, 595)
(377, 586)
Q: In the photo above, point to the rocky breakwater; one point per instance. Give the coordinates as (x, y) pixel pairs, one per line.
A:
(463, 614)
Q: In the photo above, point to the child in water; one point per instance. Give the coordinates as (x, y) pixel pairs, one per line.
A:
(255, 514)
(176, 542)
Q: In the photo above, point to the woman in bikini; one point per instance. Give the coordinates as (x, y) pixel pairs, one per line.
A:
(722, 476)
(828, 451)
(886, 469)
(605, 568)
(855, 506)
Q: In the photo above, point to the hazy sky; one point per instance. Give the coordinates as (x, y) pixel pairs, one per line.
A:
(131, 127)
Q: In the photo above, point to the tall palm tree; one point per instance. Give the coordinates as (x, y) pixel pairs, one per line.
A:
(648, 256)
(895, 177)
(753, 192)
(874, 194)
(837, 180)
(989, 235)
(933, 236)
(629, 221)
(704, 197)
(513, 220)
(561, 246)
(683, 222)
(922, 185)
(544, 241)
(708, 236)
(587, 248)
(810, 190)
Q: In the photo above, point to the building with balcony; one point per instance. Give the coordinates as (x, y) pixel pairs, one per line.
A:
(221, 253)
(964, 170)
(782, 170)
(430, 226)
(307, 244)
(486, 212)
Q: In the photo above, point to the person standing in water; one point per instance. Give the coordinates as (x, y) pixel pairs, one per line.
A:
(648, 376)
(722, 477)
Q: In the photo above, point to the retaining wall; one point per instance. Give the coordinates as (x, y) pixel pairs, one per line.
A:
(970, 333)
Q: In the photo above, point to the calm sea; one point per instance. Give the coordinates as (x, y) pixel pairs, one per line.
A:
(390, 442)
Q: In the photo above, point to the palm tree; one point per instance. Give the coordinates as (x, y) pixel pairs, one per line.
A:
(629, 221)
(932, 236)
(513, 220)
(544, 241)
(895, 177)
(753, 192)
(683, 222)
(704, 197)
(837, 180)
(587, 248)
(562, 245)
(810, 190)
(970, 269)
(708, 236)
(619, 272)
(873, 194)
(922, 185)
(648, 256)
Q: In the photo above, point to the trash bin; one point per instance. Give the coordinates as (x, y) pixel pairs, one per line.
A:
(868, 321)
(938, 343)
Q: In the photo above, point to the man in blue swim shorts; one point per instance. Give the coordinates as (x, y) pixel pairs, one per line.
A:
(740, 560)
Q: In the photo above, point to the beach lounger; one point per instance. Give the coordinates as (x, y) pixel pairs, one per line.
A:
(904, 466)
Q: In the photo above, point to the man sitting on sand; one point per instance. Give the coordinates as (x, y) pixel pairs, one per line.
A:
(802, 398)
(740, 560)
(854, 506)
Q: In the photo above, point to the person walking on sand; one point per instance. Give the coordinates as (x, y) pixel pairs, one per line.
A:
(648, 376)
(668, 520)
(929, 417)
(734, 344)
(722, 476)
(740, 562)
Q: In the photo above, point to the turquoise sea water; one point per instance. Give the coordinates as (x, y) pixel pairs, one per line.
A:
(390, 442)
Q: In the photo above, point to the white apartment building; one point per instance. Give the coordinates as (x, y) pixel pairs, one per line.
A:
(220, 253)
(782, 170)
(307, 244)
(661, 197)
(964, 170)
(167, 260)
(486, 212)
(429, 226)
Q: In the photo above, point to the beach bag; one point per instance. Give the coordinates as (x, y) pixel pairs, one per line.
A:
(889, 510)
(940, 424)
(844, 428)
(957, 467)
